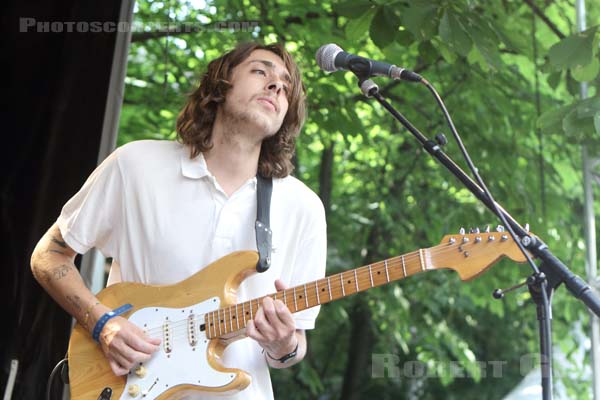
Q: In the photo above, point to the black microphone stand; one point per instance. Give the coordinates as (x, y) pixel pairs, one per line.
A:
(551, 272)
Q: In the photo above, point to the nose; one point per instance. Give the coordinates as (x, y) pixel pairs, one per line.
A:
(275, 86)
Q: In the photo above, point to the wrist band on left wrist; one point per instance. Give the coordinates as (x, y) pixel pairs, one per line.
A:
(286, 357)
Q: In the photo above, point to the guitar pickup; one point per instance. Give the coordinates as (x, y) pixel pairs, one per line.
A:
(192, 338)
(167, 335)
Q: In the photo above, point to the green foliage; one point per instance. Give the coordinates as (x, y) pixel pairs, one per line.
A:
(387, 196)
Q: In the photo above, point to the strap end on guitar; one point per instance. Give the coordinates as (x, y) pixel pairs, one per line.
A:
(264, 244)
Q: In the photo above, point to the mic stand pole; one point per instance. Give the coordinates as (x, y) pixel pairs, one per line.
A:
(554, 272)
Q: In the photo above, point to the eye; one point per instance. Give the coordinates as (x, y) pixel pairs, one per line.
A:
(259, 71)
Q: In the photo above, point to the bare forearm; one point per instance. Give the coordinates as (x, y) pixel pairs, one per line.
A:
(52, 264)
(301, 352)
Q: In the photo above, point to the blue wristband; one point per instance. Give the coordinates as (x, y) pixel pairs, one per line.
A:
(104, 319)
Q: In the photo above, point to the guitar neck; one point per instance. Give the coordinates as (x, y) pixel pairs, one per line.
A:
(227, 321)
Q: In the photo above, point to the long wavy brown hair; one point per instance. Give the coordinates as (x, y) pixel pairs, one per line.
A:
(195, 122)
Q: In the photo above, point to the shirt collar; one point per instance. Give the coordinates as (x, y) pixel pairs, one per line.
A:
(194, 168)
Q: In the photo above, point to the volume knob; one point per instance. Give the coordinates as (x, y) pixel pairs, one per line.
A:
(141, 371)
(133, 390)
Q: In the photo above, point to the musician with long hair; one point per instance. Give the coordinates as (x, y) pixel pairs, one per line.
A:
(163, 210)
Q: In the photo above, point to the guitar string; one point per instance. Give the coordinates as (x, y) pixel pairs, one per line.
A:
(228, 312)
(393, 262)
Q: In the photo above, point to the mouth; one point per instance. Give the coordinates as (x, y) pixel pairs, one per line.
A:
(269, 102)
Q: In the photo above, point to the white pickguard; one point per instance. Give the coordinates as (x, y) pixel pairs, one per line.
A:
(184, 363)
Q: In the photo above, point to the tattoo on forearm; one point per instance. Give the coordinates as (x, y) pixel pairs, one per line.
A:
(60, 272)
(75, 302)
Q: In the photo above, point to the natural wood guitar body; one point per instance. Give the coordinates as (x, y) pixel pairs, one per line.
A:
(89, 371)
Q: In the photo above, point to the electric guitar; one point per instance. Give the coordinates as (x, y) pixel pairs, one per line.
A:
(198, 317)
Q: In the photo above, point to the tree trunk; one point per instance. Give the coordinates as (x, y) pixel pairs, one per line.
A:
(359, 350)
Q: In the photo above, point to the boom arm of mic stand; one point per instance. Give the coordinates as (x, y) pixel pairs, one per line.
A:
(577, 286)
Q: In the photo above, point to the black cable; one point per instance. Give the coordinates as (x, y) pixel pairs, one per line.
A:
(478, 178)
(487, 193)
(51, 377)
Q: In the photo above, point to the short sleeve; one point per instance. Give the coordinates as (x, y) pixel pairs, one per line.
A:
(93, 216)
(311, 267)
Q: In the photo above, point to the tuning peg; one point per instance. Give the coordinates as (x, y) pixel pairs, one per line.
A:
(476, 230)
(487, 229)
(499, 228)
(461, 231)
(526, 227)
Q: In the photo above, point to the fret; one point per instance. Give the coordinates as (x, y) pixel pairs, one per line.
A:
(387, 274)
(403, 266)
(244, 313)
(342, 282)
(421, 259)
(284, 298)
(230, 321)
(214, 324)
(317, 292)
(219, 320)
(295, 303)
(356, 281)
(237, 318)
(370, 275)
(207, 325)
(329, 288)
(305, 296)
(251, 316)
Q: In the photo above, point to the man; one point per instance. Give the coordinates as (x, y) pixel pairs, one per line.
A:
(163, 210)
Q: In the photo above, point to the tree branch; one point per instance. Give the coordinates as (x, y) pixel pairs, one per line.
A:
(536, 10)
(187, 28)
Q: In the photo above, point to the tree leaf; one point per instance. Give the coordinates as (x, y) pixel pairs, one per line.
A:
(578, 130)
(587, 108)
(486, 42)
(454, 34)
(573, 51)
(384, 26)
(552, 120)
(353, 8)
(356, 28)
(554, 79)
(588, 72)
(420, 19)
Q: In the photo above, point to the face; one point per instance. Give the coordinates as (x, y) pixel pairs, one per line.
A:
(258, 96)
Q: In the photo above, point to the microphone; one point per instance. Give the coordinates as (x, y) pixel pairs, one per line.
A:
(331, 58)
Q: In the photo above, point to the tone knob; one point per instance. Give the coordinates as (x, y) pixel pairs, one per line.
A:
(141, 371)
(133, 390)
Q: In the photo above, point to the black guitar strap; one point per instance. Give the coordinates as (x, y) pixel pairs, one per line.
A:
(264, 188)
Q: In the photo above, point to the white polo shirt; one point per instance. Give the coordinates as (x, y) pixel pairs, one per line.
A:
(162, 217)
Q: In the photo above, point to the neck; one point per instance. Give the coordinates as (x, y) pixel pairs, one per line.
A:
(233, 159)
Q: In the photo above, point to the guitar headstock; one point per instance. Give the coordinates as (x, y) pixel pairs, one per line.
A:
(470, 254)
